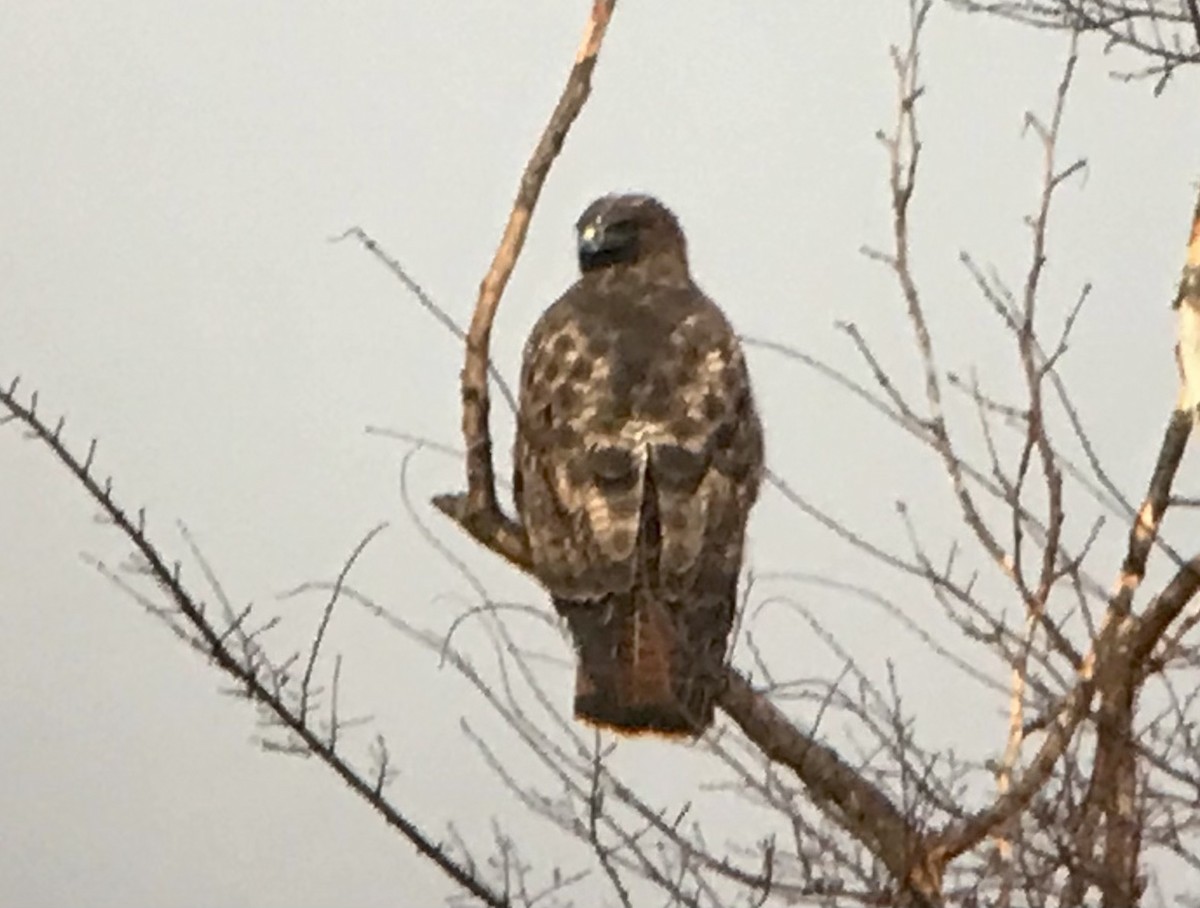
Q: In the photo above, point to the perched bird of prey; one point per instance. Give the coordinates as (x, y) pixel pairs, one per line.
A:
(638, 456)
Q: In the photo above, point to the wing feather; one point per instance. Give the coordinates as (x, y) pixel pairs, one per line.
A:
(580, 511)
(616, 384)
(707, 479)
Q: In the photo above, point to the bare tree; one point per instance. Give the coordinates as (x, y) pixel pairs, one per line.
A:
(1095, 775)
(1166, 33)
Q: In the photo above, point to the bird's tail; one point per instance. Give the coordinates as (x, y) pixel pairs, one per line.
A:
(651, 660)
(636, 673)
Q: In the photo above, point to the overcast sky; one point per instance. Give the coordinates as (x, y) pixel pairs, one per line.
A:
(172, 172)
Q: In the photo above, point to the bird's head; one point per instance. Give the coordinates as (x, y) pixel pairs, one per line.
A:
(619, 230)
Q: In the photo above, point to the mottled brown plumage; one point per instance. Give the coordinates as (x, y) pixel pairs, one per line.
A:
(638, 458)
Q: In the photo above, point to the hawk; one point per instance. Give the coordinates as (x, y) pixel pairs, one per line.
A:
(638, 457)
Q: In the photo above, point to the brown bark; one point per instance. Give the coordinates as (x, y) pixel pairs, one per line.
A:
(480, 498)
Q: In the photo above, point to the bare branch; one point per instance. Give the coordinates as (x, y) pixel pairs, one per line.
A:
(833, 785)
(479, 505)
(210, 640)
(327, 615)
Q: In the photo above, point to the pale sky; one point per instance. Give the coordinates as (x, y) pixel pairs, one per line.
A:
(171, 175)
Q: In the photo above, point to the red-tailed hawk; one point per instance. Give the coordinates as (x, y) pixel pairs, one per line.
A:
(638, 457)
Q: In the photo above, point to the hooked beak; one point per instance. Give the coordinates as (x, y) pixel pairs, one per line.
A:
(591, 240)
